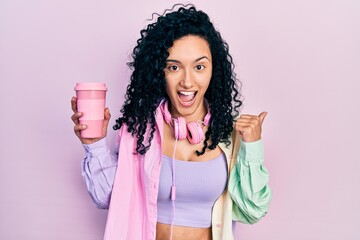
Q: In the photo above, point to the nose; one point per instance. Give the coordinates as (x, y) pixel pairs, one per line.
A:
(187, 80)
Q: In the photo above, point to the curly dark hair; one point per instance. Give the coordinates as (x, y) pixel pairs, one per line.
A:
(147, 85)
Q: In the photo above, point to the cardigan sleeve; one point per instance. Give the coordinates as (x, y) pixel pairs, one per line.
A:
(98, 170)
(248, 184)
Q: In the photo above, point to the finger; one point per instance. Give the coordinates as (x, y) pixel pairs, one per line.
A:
(79, 127)
(244, 130)
(106, 119)
(247, 116)
(249, 121)
(75, 117)
(107, 114)
(262, 116)
(73, 104)
(244, 127)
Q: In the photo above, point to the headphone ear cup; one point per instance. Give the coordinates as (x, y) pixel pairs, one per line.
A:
(180, 128)
(195, 133)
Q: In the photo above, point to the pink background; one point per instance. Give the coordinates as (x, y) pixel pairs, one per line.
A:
(298, 60)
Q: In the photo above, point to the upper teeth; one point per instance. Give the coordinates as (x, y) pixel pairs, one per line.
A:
(187, 93)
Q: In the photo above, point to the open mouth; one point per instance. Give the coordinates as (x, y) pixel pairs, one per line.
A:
(186, 98)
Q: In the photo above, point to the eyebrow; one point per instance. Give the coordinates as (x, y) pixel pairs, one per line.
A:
(198, 59)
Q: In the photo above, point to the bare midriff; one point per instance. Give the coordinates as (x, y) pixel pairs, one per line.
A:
(182, 233)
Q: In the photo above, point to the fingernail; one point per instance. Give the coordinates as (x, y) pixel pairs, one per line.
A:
(79, 113)
(83, 126)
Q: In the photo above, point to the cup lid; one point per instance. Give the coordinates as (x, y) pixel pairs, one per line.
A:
(90, 86)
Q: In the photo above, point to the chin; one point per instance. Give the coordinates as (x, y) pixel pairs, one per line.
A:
(185, 111)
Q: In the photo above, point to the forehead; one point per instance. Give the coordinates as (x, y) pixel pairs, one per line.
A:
(189, 48)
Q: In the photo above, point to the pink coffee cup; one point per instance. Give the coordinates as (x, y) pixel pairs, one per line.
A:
(91, 102)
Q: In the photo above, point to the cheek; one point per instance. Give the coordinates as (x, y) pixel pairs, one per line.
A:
(206, 82)
(169, 86)
(172, 80)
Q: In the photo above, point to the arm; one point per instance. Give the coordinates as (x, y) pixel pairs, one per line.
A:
(99, 165)
(98, 170)
(248, 184)
(248, 181)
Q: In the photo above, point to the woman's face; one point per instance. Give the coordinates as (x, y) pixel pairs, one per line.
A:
(188, 72)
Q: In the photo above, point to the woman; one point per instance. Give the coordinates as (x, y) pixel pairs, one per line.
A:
(184, 168)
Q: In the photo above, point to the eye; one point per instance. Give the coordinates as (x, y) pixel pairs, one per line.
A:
(199, 67)
(173, 68)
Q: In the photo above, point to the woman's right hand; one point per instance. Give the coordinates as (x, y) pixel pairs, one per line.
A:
(78, 127)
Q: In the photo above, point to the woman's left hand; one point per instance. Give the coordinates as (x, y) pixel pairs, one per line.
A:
(249, 126)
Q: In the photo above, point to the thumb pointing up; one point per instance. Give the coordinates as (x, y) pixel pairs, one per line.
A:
(262, 116)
